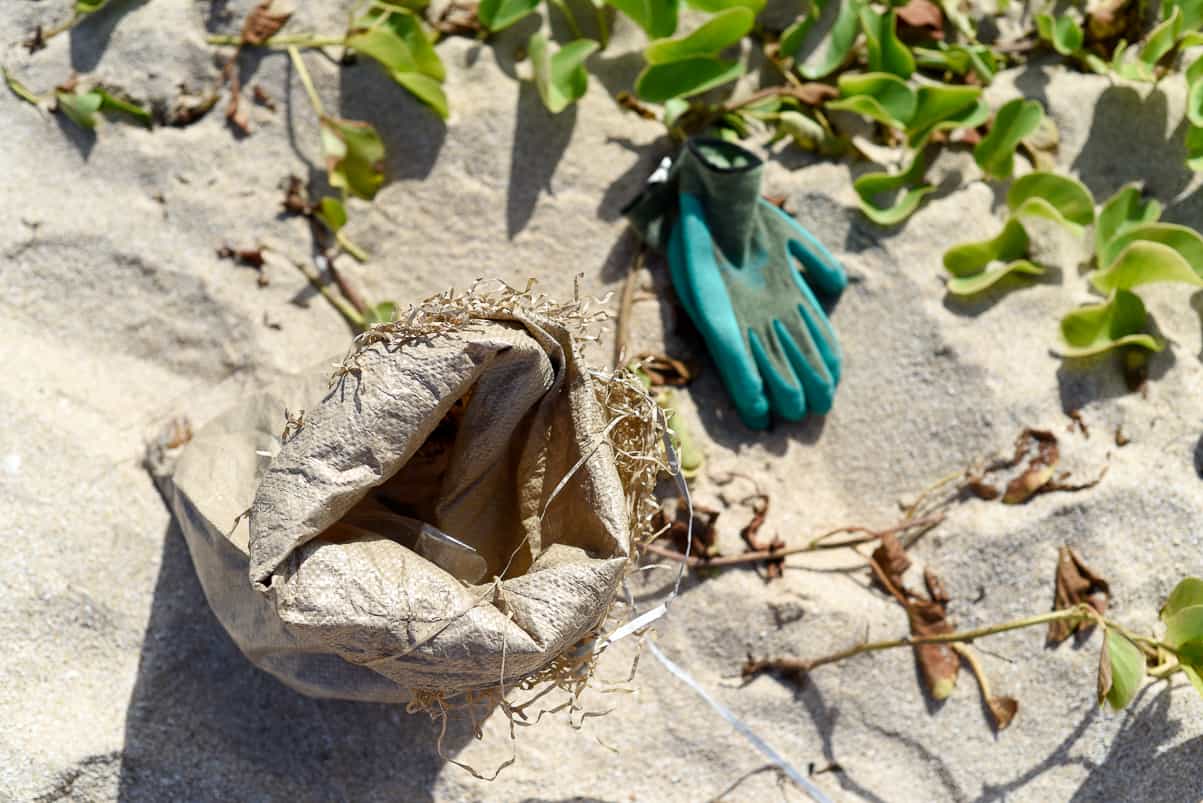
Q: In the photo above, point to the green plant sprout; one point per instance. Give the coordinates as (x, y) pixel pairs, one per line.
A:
(1126, 658)
(80, 106)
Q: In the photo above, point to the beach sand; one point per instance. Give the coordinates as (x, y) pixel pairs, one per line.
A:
(116, 681)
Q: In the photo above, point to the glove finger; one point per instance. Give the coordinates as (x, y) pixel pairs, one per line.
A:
(804, 356)
(704, 294)
(820, 265)
(786, 396)
(819, 327)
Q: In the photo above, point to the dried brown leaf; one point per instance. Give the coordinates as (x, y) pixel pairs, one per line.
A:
(938, 662)
(920, 18)
(774, 567)
(263, 98)
(264, 22)
(1003, 709)
(1040, 466)
(888, 563)
(813, 93)
(663, 370)
(296, 200)
(627, 101)
(673, 520)
(981, 489)
(1075, 583)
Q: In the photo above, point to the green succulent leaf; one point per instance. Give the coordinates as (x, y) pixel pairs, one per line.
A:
(354, 156)
(1192, 13)
(1049, 195)
(1146, 261)
(807, 132)
(1162, 38)
(396, 40)
(872, 185)
(1018, 118)
(1126, 208)
(971, 285)
(1121, 670)
(497, 15)
(384, 312)
(959, 59)
(715, 6)
(560, 77)
(794, 36)
(970, 259)
(835, 46)
(1096, 328)
(332, 213)
(879, 96)
(716, 34)
(885, 52)
(89, 6)
(1188, 592)
(681, 79)
(19, 89)
(80, 107)
(111, 103)
(657, 18)
(944, 106)
(1184, 626)
(1063, 33)
(1194, 148)
(959, 19)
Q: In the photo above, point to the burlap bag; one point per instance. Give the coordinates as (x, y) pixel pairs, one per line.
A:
(476, 416)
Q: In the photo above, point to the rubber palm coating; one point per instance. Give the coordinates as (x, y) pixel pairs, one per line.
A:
(741, 267)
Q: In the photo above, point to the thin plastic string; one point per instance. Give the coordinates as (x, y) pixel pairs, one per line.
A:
(760, 744)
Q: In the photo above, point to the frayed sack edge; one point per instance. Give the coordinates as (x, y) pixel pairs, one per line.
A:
(635, 433)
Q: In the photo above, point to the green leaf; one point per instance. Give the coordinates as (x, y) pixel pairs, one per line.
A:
(354, 156)
(794, 36)
(1121, 670)
(970, 285)
(1184, 626)
(1192, 14)
(560, 77)
(80, 108)
(808, 133)
(19, 89)
(885, 52)
(1124, 209)
(1064, 33)
(880, 96)
(1068, 197)
(681, 79)
(497, 15)
(959, 59)
(1162, 38)
(397, 41)
(657, 18)
(959, 19)
(1194, 148)
(944, 106)
(384, 312)
(1194, 97)
(1146, 262)
(89, 6)
(868, 187)
(715, 6)
(839, 40)
(332, 213)
(1018, 118)
(1188, 592)
(110, 103)
(970, 259)
(1096, 328)
(719, 32)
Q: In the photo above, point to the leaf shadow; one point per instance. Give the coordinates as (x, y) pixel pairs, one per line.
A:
(1126, 123)
(624, 189)
(1082, 380)
(540, 141)
(91, 36)
(413, 135)
(83, 139)
(203, 724)
(980, 303)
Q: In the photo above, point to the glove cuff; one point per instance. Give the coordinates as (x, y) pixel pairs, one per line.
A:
(725, 179)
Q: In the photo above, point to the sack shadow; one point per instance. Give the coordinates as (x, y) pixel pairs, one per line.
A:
(204, 724)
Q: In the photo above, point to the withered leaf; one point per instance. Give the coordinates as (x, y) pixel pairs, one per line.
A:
(673, 520)
(264, 22)
(1040, 466)
(1075, 583)
(263, 98)
(663, 370)
(774, 567)
(927, 617)
(251, 257)
(814, 93)
(296, 201)
(1003, 709)
(922, 16)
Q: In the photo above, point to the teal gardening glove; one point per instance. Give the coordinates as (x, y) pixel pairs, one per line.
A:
(735, 260)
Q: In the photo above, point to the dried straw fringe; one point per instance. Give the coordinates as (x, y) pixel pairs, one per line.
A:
(634, 432)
